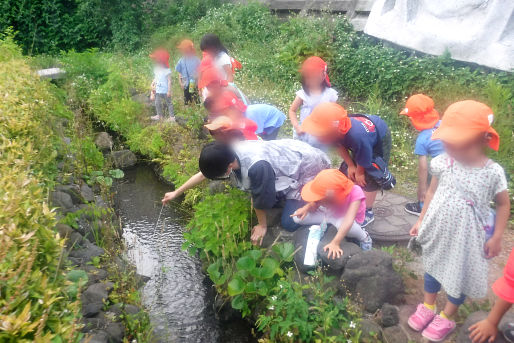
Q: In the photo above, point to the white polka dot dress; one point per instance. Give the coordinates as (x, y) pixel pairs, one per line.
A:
(450, 234)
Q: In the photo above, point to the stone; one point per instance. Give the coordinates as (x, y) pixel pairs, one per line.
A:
(477, 31)
(97, 292)
(99, 321)
(217, 186)
(118, 309)
(88, 229)
(99, 202)
(115, 332)
(349, 249)
(103, 141)
(61, 200)
(390, 316)
(371, 331)
(98, 336)
(300, 237)
(463, 335)
(75, 240)
(123, 159)
(87, 252)
(64, 230)
(87, 193)
(369, 277)
(95, 275)
(91, 309)
(394, 334)
(73, 191)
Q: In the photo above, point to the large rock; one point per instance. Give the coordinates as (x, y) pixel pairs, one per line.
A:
(61, 200)
(64, 230)
(86, 252)
(370, 278)
(389, 315)
(475, 317)
(478, 31)
(349, 249)
(124, 159)
(97, 336)
(116, 332)
(87, 193)
(103, 141)
(73, 191)
(394, 334)
(371, 331)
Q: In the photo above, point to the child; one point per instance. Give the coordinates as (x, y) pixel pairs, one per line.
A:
(224, 129)
(212, 46)
(268, 118)
(161, 85)
(345, 208)
(420, 110)
(452, 224)
(315, 90)
(212, 85)
(187, 71)
(368, 139)
(487, 329)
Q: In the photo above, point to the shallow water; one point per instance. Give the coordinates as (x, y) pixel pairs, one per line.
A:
(178, 295)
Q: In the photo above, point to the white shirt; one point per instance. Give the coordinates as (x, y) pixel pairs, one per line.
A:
(220, 61)
(161, 79)
(311, 101)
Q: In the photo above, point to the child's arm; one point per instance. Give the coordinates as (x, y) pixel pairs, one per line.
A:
(303, 211)
(169, 86)
(295, 105)
(487, 329)
(192, 182)
(334, 247)
(428, 198)
(422, 177)
(493, 245)
(180, 81)
(352, 168)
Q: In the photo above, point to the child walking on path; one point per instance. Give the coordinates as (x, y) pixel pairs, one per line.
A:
(451, 227)
(336, 200)
(161, 85)
(420, 110)
(366, 137)
(316, 89)
(187, 67)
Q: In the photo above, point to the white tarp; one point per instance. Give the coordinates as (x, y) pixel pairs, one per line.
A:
(479, 31)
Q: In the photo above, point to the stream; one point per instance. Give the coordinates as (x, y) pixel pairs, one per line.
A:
(178, 295)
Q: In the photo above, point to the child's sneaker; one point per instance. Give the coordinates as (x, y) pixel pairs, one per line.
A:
(156, 117)
(508, 332)
(367, 243)
(421, 318)
(438, 329)
(369, 218)
(413, 208)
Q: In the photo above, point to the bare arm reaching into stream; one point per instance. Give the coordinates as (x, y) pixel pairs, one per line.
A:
(192, 182)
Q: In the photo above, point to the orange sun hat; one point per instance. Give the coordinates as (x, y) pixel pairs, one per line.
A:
(210, 75)
(325, 119)
(226, 100)
(224, 123)
(329, 183)
(463, 121)
(504, 286)
(161, 55)
(315, 64)
(186, 45)
(420, 110)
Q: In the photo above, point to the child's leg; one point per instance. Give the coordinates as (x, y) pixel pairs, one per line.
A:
(425, 312)
(370, 198)
(290, 207)
(432, 287)
(158, 104)
(452, 305)
(171, 111)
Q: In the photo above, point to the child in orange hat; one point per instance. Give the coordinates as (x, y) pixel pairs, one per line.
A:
(420, 110)
(161, 84)
(226, 130)
(336, 200)
(212, 85)
(457, 229)
(187, 67)
(364, 142)
(316, 89)
(487, 329)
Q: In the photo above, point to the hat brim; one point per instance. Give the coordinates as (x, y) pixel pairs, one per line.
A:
(405, 112)
(503, 290)
(457, 136)
(315, 129)
(308, 193)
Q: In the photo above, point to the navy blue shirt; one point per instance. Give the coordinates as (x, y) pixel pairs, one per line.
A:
(364, 139)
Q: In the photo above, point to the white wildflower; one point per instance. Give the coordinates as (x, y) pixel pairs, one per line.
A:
(352, 325)
(289, 334)
(271, 307)
(274, 298)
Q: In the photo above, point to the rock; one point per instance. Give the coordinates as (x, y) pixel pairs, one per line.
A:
(98, 336)
(73, 191)
(217, 186)
(75, 262)
(103, 141)
(115, 332)
(75, 240)
(97, 292)
(394, 334)
(87, 193)
(95, 275)
(64, 230)
(99, 321)
(89, 229)
(300, 237)
(61, 200)
(390, 315)
(349, 249)
(124, 159)
(371, 331)
(99, 202)
(117, 310)
(91, 309)
(369, 277)
(463, 335)
(86, 252)
(131, 309)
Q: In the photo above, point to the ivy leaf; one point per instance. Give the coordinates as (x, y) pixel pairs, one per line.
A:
(235, 286)
(269, 267)
(245, 263)
(116, 173)
(238, 302)
(285, 251)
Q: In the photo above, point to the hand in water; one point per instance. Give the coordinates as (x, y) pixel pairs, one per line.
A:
(169, 196)
(334, 250)
(258, 233)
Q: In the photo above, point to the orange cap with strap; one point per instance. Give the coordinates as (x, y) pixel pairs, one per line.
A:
(329, 183)
(420, 110)
(327, 118)
(315, 64)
